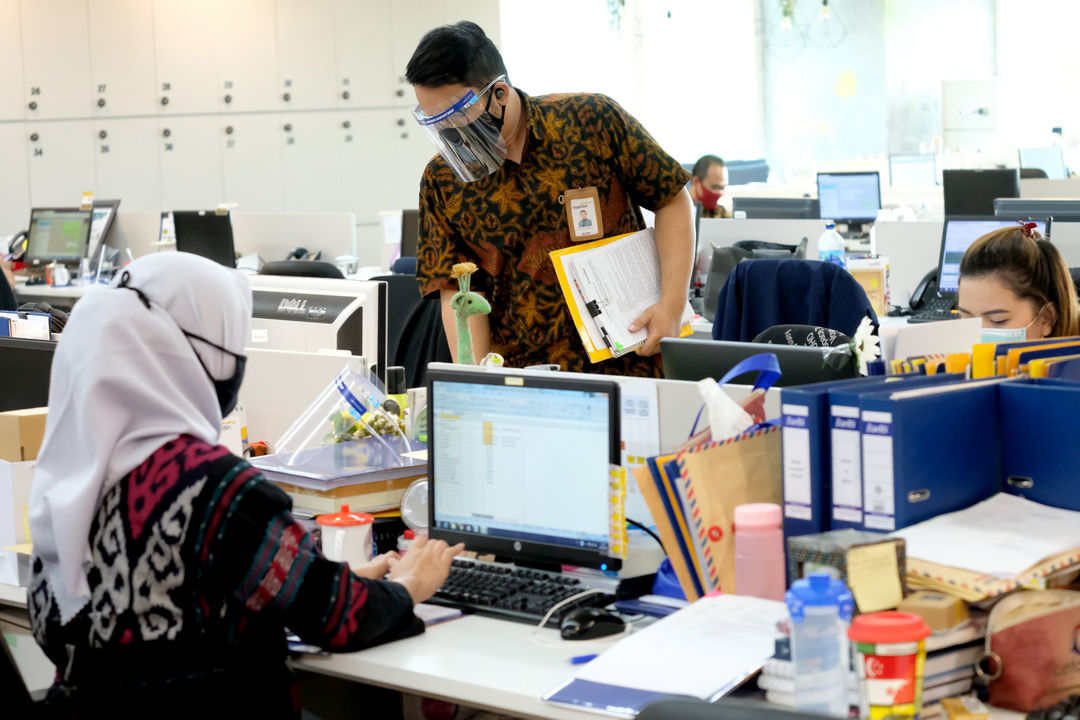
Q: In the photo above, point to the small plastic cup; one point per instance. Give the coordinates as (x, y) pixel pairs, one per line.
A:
(890, 652)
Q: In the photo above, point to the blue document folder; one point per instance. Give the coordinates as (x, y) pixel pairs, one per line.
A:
(1040, 455)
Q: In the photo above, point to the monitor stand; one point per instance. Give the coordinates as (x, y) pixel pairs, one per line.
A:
(853, 230)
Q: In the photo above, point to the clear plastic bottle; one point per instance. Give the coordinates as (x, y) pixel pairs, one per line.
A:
(759, 551)
(820, 608)
(830, 246)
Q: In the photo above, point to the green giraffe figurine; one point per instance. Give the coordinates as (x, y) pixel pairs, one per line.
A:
(466, 303)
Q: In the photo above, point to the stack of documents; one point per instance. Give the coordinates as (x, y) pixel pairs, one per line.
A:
(704, 650)
(608, 284)
(25, 325)
(367, 474)
(993, 547)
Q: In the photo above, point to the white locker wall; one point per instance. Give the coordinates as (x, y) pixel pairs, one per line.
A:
(56, 58)
(12, 101)
(190, 97)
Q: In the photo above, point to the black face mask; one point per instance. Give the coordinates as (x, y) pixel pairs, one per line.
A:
(227, 390)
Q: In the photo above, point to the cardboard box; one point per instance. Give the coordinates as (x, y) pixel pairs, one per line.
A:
(820, 551)
(21, 432)
(873, 275)
(940, 611)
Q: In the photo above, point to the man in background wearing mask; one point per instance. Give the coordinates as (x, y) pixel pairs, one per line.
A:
(494, 196)
(710, 177)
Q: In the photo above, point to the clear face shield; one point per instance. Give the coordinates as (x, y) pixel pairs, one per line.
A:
(468, 136)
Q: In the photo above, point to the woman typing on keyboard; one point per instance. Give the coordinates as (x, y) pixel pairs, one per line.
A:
(165, 569)
(1018, 283)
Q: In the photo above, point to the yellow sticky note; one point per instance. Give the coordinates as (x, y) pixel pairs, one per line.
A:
(873, 576)
(24, 549)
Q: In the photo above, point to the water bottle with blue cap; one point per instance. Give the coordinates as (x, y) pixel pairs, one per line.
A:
(820, 608)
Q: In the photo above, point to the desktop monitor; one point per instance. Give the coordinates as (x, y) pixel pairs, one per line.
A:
(743, 172)
(849, 196)
(912, 171)
(410, 232)
(696, 359)
(1059, 210)
(958, 234)
(204, 233)
(519, 464)
(311, 314)
(25, 366)
(1050, 160)
(57, 235)
(101, 221)
(972, 192)
(775, 208)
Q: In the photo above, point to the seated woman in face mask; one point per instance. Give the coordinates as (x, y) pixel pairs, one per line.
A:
(1018, 283)
(165, 569)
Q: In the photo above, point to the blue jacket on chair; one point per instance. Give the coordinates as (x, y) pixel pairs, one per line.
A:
(761, 293)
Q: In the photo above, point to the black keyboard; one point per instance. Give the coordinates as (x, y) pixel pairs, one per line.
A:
(512, 593)
(935, 308)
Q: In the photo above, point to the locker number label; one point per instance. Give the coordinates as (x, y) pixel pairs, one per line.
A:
(228, 84)
(101, 88)
(35, 91)
(166, 86)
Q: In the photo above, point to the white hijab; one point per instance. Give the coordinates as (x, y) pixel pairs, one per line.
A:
(125, 381)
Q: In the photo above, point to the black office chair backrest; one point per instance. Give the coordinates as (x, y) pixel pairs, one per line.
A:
(725, 259)
(415, 335)
(16, 698)
(302, 268)
(1032, 173)
(723, 709)
(7, 295)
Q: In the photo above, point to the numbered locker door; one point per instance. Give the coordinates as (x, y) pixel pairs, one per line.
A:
(56, 58)
(307, 66)
(365, 57)
(247, 54)
(12, 100)
(312, 177)
(251, 160)
(412, 152)
(367, 152)
(189, 152)
(61, 162)
(125, 165)
(411, 19)
(122, 57)
(14, 180)
(185, 56)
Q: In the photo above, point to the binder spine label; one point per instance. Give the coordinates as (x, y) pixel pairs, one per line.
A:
(877, 457)
(795, 436)
(847, 501)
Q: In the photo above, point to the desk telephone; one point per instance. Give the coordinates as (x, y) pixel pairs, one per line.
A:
(925, 290)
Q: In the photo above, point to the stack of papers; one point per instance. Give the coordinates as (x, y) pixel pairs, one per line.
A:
(704, 650)
(992, 547)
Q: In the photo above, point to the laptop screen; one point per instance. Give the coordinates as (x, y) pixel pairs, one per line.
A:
(205, 233)
(519, 464)
(957, 237)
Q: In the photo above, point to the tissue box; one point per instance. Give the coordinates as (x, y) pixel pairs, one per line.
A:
(21, 432)
(807, 553)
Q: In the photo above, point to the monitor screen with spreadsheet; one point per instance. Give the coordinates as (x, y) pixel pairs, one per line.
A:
(958, 235)
(849, 195)
(519, 464)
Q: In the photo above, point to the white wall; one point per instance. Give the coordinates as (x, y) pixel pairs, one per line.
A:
(687, 69)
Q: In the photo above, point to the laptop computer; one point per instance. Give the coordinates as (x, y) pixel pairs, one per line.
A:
(695, 359)
(205, 233)
(936, 297)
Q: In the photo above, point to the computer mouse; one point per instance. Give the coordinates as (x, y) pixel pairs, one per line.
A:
(589, 623)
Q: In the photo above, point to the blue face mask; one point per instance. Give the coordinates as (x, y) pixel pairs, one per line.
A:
(1000, 335)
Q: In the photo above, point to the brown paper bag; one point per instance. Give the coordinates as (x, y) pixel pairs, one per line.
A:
(719, 477)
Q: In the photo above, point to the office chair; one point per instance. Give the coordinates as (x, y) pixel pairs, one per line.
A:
(723, 709)
(303, 268)
(724, 260)
(7, 294)
(17, 700)
(404, 266)
(767, 292)
(1032, 173)
(415, 335)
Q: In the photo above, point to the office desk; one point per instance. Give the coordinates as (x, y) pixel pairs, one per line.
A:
(62, 298)
(481, 662)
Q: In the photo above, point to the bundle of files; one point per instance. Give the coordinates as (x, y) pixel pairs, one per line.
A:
(1044, 358)
(949, 668)
(692, 496)
(883, 454)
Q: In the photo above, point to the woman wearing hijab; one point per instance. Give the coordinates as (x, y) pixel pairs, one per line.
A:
(165, 569)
